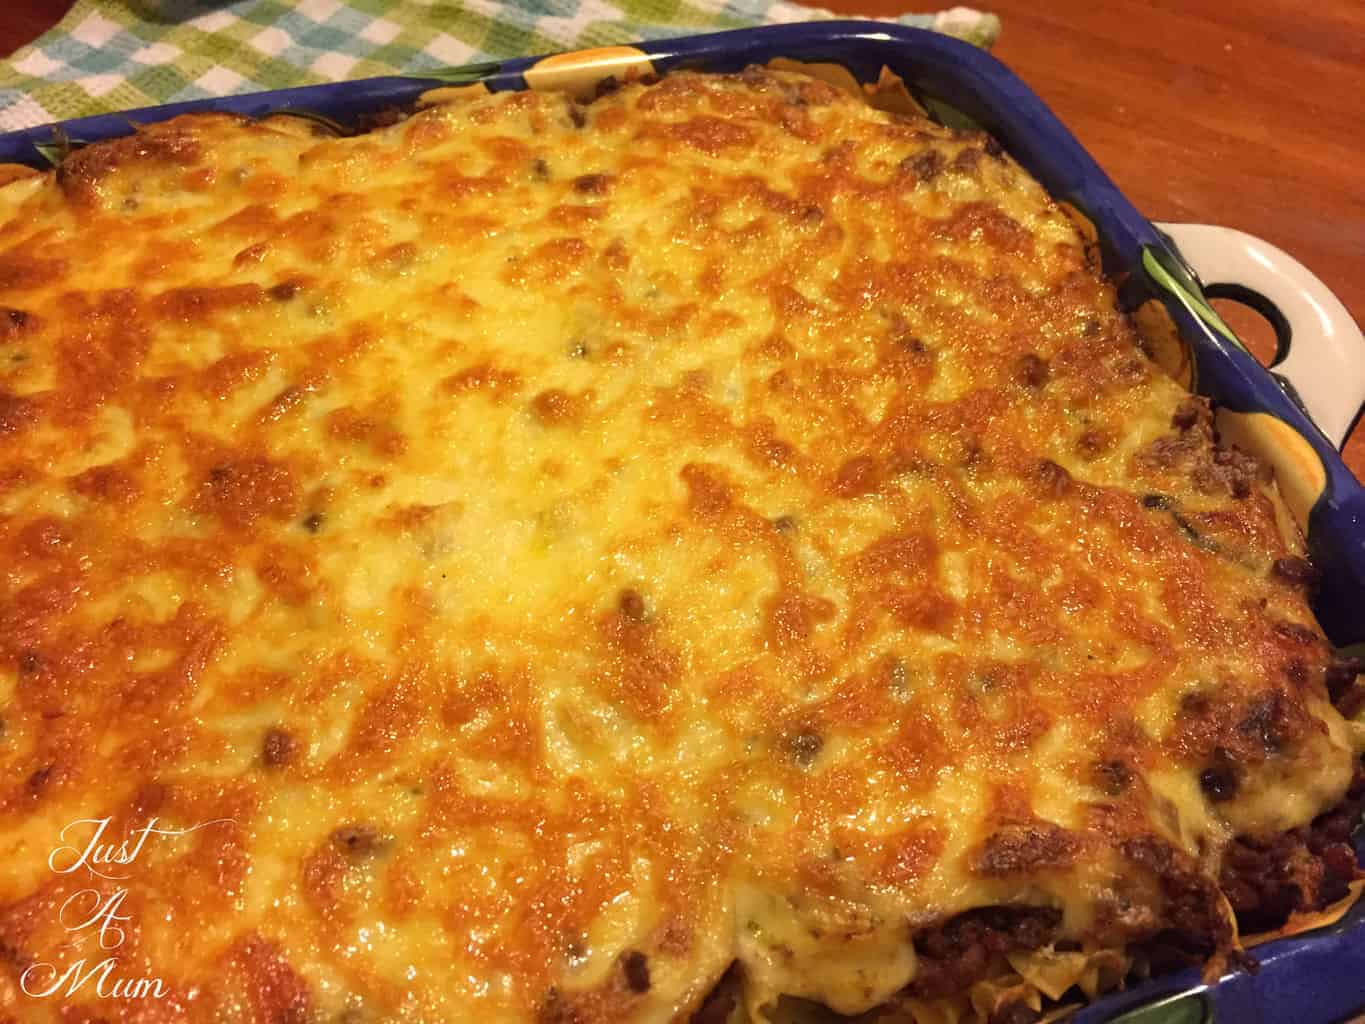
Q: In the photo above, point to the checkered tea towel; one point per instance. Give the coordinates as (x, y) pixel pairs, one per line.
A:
(119, 54)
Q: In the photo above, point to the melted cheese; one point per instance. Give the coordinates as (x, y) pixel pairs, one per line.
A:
(555, 550)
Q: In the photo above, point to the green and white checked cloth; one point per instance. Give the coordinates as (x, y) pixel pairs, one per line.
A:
(109, 55)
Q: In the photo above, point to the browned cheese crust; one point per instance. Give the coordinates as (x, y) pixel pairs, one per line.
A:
(551, 552)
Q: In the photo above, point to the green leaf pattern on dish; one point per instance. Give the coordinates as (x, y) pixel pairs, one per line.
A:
(465, 74)
(1188, 1008)
(1172, 275)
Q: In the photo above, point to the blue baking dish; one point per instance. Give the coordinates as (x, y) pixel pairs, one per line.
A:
(1295, 415)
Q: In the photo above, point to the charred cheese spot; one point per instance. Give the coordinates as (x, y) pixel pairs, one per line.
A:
(619, 561)
(279, 747)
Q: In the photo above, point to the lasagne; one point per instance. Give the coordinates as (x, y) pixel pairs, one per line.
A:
(715, 552)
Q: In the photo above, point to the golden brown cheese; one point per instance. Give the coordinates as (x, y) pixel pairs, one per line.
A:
(546, 552)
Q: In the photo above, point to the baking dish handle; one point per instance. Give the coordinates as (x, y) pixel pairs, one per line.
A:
(1320, 349)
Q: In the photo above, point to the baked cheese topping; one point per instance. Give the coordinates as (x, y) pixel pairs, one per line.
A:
(547, 552)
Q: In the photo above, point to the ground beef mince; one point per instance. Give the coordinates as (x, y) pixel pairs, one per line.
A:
(968, 947)
(721, 1001)
(1193, 925)
(1306, 869)
(1014, 1013)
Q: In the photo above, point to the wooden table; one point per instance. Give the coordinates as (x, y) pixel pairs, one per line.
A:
(1248, 115)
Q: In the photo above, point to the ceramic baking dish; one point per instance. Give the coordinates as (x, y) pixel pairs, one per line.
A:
(1295, 415)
